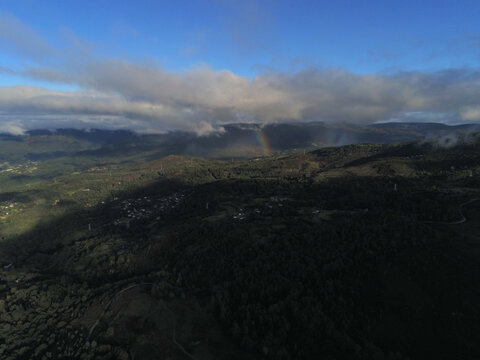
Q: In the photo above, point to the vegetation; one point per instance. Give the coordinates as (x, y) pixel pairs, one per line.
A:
(356, 252)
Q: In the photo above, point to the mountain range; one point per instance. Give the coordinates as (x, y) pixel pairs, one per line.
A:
(231, 141)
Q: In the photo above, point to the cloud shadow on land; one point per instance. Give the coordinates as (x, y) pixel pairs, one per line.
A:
(212, 252)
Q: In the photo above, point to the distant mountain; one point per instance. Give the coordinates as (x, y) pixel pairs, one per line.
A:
(252, 139)
(93, 135)
(235, 141)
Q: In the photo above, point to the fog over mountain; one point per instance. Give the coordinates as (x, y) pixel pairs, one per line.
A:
(241, 140)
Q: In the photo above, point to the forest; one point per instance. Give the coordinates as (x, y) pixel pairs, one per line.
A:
(355, 252)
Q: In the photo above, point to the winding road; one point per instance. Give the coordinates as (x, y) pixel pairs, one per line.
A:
(464, 217)
(461, 221)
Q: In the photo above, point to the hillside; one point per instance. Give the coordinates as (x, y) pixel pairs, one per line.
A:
(234, 141)
(366, 251)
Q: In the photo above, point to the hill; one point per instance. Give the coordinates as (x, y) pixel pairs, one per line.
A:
(232, 142)
(364, 251)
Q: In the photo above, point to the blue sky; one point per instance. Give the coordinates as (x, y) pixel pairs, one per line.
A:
(55, 45)
(249, 36)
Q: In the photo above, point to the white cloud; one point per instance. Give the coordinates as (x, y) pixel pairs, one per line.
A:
(22, 38)
(11, 127)
(145, 97)
(470, 113)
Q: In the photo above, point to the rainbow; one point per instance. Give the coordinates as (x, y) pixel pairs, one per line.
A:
(263, 141)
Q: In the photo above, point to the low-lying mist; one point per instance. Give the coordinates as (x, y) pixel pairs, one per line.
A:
(235, 140)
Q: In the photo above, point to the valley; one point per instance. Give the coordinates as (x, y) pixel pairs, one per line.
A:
(353, 252)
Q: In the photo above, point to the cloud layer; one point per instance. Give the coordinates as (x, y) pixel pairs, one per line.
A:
(145, 97)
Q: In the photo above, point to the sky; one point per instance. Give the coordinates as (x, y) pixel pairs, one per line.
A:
(154, 66)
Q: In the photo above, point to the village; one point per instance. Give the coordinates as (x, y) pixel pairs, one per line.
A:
(267, 206)
(8, 208)
(24, 168)
(147, 207)
(262, 206)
